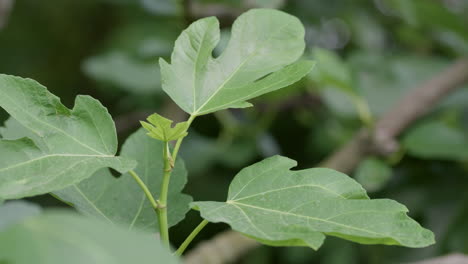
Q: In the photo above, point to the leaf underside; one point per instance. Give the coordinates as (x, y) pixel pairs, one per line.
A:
(276, 206)
(121, 201)
(55, 146)
(259, 58)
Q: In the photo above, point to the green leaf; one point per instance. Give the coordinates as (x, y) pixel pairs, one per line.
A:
(58, 237)
(259, 58)
(336, 78)
(437, 140)
(373, 174)
(233, 155)
(332, 71)
(64, 146)
(276, 206)
(383, 80)
(125, 72)
(161, 128)
(15, 211)
(121, 200)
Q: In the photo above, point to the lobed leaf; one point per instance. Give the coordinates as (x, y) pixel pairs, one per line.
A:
(160, 128)
(58, 146)
(259, 58)
(121, 201)
(280, 207)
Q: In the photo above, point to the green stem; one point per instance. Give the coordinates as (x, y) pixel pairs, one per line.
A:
(189, 239)
(169, 162)
(179, 141)
(162, 209)
(145, 189)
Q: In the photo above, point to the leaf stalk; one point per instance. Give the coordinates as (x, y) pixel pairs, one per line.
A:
(169, 163)
(190, 237)
(155, 204)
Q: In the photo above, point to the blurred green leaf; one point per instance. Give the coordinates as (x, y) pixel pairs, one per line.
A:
(200, 152)
(331, 70)
(68, 146)
(58, 237)
(200, 84)
(121, 200)
(437, 140)
(368, 32)
(124, 72)
(152, 47)
(338, 252)
(13, 212)
(263, 204)
(265, 3)
(162, 7)
(435, 17)
(337, 79)
(239, 152)
(373, 174)
(383, 80)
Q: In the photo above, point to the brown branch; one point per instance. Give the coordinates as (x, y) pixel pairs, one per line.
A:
(230, 245)
(220, 249)
(411, 107)
(455, 258)
(5, 9)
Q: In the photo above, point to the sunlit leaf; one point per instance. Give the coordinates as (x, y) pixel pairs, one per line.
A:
(280, 207)
(260, 57)
(64, 146)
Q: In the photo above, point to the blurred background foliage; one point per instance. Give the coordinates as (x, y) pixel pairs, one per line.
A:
(369, 54)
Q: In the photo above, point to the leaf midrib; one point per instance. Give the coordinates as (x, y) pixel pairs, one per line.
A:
(242, 98)
(290, 187)
(49, 125)
(307, 217)
(91, 203)
(195, 70)
(53, 155)
(250, 56)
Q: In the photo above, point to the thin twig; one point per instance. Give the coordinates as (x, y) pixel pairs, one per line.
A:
(229, 246)
(454, 258)
(5, 9)
(411, 107)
